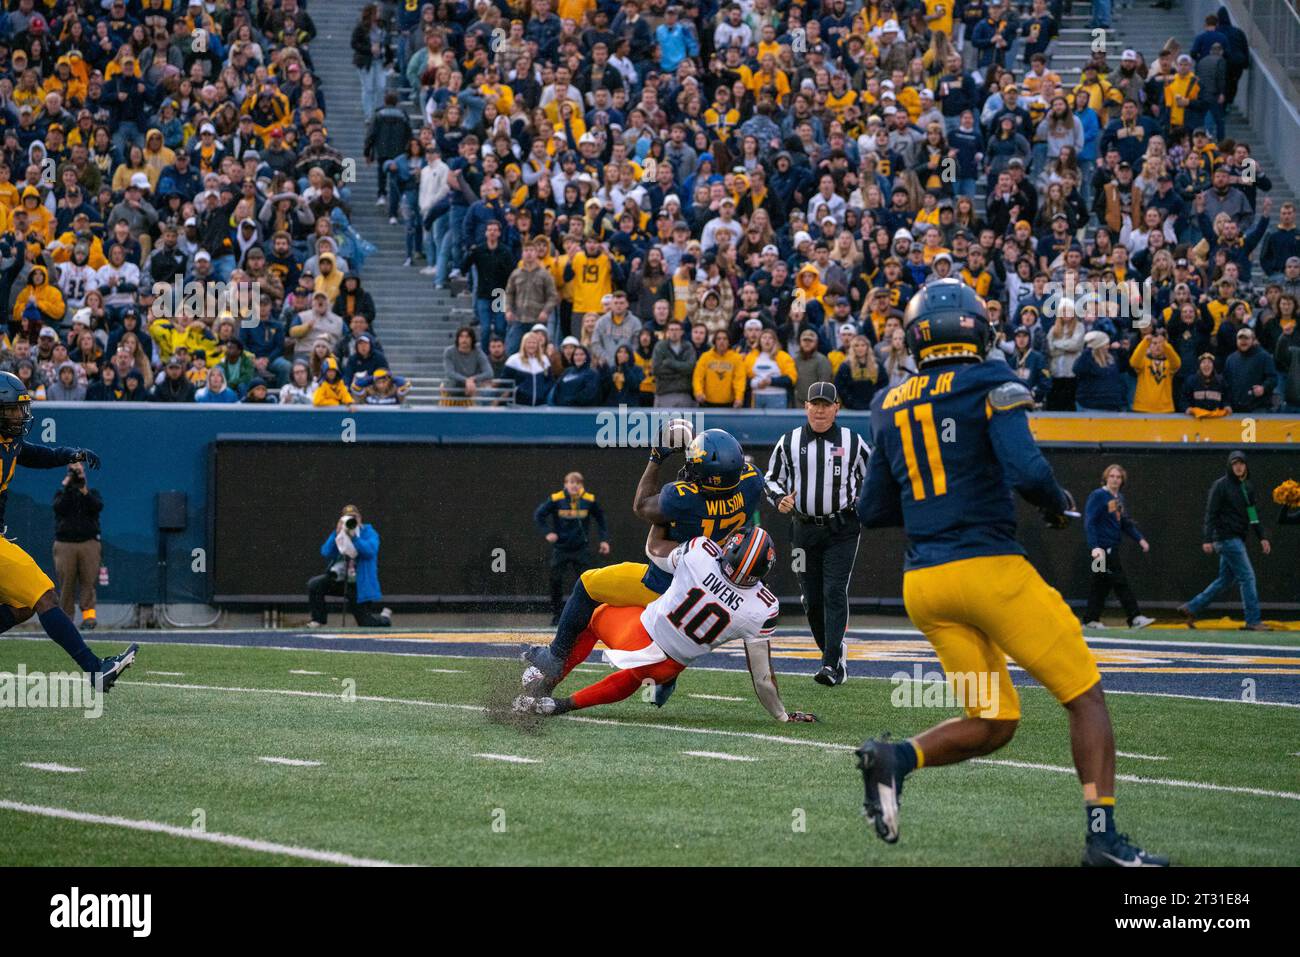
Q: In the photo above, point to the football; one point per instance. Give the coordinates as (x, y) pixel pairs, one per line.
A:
(677, 434)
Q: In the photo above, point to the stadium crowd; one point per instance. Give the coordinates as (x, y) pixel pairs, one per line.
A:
(174, 221)
(721, 203)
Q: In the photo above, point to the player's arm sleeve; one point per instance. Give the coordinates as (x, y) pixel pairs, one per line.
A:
(668, 562)
(777, 480)
(880, 503)
(758, 656)
(45, 457)
(1023, 465)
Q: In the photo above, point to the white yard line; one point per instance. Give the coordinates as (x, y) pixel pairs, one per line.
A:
(445, 671)
(719, 755)
(60, 768)
(299, 671)
(509, 758)
(714, 697)
(718, 732)
(167, 674)
(292, 762)
(694, 667)
(1139, 779)
(1140, 757)
(210, 837)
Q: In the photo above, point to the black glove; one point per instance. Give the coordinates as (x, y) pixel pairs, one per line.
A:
(1058, 520)
(802, 716)
(661, 452)
(87, 456)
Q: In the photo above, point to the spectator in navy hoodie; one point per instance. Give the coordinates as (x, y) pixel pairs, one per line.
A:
(1106, 522)
(1250, 375)
(623, 379)
(1098, 376)
(578, 385)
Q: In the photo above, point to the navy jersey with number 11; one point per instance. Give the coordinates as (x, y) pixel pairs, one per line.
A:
(951, 444)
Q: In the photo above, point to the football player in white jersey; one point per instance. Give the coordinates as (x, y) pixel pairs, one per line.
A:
(716, 596)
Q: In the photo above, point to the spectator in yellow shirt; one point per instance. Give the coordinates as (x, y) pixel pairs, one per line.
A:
(1156, 364)
(719, 379)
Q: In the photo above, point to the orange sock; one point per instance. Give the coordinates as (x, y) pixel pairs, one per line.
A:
(586, 641)
(611, 688)
(87, 613)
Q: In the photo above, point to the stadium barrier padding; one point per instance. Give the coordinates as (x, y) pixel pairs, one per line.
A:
(452, 493)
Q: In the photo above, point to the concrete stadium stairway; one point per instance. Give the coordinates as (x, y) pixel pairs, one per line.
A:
(413, 321)
(1146, 29)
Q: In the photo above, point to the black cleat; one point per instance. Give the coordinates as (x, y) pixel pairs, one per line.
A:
(541, 658)
(88, 624)
(112, 668)
(831, 675)
(882, 785)
(1118, 851)
(664, 692)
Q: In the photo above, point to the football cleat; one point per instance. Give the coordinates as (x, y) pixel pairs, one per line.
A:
(527, 704)
(112, 668)
(541, 657)
(535, 683)
(882, 786)
(663, 692)
(1141, 621)
(1116, 850)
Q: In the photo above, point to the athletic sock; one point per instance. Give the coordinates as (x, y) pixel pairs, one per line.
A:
(1100, 818)
(581, 649)
(573, 621)
(611, 688)
(908, 757)
(87, 614)
(60, 627)
(7, 618)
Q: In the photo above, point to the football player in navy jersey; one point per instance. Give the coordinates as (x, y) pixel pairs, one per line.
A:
(953, 442)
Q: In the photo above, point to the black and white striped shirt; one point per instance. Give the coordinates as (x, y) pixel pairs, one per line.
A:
(823, 471)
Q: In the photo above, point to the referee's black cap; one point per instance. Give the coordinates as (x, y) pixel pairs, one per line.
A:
(823, 392)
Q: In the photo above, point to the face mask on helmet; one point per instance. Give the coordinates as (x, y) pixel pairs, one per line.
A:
(747, 556)
(713, 460)
(16, 418)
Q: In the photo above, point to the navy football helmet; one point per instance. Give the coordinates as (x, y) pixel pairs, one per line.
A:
(747, 555)
(714, 461)
(947, 320)
(15, 407)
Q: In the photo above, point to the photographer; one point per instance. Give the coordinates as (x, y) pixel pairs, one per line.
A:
(352, 549)
(76, 543)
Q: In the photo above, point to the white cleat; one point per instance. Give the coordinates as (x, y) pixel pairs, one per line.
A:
(526, 704)
(1141, 621)
(1093, 624)
(531, 673)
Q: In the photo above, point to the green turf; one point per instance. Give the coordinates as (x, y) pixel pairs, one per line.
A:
(399, 781)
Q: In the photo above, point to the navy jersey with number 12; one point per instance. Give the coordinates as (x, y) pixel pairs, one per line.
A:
(714, 515)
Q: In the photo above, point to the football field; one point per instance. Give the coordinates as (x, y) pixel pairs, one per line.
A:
(276, 748)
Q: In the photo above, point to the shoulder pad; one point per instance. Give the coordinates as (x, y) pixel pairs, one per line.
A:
(588, 497)
(1010, 395)
(557, 497)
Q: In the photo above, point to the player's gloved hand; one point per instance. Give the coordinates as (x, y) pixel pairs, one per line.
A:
(1060, 519)
(661, 452)
(802, 716)
(86, 455)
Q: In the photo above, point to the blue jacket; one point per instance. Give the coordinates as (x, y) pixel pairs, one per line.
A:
(1105, 519)
(1091, 123)
(367, 545)
(1099, 388)
(577, 387)
(675, 45)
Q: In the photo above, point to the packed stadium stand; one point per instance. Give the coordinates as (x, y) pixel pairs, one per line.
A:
(598, 169)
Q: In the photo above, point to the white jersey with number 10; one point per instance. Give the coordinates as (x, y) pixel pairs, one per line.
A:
(702, 609)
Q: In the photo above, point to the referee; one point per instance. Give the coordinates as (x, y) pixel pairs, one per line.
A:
(815, 473)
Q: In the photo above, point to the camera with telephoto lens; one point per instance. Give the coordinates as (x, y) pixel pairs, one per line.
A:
(350, 523)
